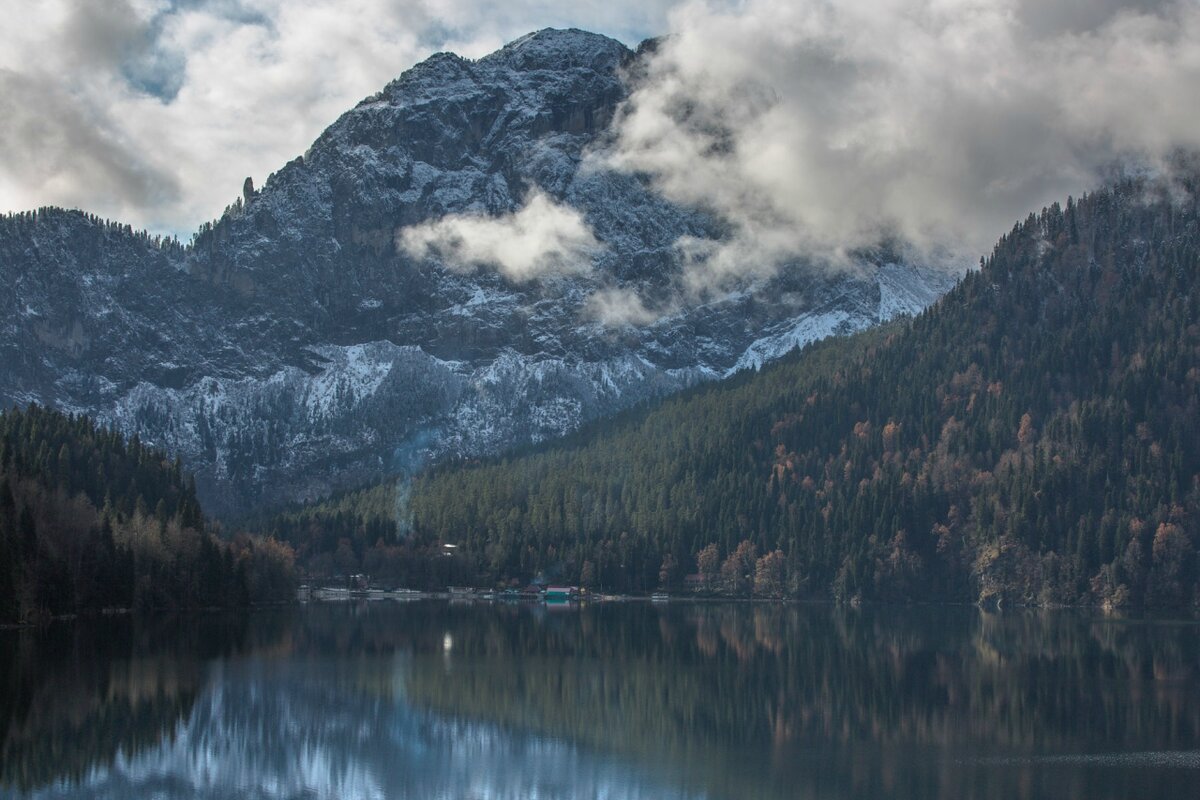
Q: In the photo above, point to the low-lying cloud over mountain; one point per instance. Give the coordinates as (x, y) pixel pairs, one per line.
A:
(541, 238)
(817, 128)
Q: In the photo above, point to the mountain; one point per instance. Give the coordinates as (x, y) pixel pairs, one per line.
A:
(1034, 437)
(90, 521)
(293, 348)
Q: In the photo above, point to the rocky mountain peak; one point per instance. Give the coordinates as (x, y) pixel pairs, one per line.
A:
(293, 348)
(560, 50)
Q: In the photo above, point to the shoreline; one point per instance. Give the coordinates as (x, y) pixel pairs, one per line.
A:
(326, 596)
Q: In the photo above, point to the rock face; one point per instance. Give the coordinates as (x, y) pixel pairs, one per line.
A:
(293, 348)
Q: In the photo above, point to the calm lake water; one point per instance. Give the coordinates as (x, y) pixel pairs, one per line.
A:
(433, 700)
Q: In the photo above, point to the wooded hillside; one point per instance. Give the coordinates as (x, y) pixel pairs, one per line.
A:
(1031, 438)
(90, 521)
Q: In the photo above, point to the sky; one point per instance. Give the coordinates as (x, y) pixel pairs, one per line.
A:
(813, 127)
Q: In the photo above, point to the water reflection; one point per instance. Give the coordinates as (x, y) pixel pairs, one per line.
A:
(723, 701)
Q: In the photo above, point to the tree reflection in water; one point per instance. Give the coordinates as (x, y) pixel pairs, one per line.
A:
(628, 700)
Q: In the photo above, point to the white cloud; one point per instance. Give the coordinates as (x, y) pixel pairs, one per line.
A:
(619, 306)
(815, 128)
(542, 238)
(154, 111)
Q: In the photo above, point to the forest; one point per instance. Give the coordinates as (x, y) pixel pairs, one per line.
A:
(90, 521)
(1031, 439)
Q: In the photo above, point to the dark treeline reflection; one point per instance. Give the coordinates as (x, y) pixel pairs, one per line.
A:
(430, 699)
(73, 695)
(911, 702)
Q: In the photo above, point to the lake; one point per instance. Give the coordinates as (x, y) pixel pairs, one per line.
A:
(429, 699)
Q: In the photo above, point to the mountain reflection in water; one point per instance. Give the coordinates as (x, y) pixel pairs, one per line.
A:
(428, 700)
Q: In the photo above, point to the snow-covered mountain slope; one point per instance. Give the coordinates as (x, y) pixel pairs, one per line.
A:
(294, 347)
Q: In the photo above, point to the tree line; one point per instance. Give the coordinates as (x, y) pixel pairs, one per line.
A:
(92, 521)
(22, 222)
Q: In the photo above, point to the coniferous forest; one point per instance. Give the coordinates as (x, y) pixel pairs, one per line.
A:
(1032, 438)
(90, 521)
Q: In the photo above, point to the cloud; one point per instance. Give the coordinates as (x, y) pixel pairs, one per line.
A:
(616, 307)
(157, 110)
(72, 151)
(542, 238)
(817, 128)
